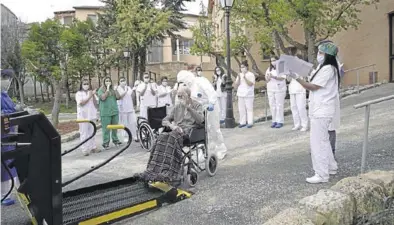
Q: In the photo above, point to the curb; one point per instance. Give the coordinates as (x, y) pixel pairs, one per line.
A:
(73, 135)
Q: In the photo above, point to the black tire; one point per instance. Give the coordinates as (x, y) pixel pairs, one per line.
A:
(211, 164)
(192, 178)
(145, 134)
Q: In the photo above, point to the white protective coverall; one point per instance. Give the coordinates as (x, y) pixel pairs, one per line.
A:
(89, 112)
(298, 105)
(126, 111)
(147, 99)
(323, 108)
(276, 90)
(203, 92)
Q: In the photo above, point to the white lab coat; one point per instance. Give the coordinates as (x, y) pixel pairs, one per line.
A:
(203, 92)
(89, 112)
(276, 90)
(222, 96)
(298, 104)
(148, 99)
(126, 111)
(162, 101)
(322, 110)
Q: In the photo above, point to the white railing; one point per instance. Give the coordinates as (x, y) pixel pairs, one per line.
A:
(357, 69)
(367, 106)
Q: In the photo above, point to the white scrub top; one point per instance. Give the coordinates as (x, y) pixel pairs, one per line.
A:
(162, 101)
(276, 85)
(126, 103)
(324, 102)
(244, 90)
(148, 99)
(219, 82)
(87, 111)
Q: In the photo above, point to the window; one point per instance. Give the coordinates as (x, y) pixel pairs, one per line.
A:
(67, 20)
(184, 46)
(93, 17)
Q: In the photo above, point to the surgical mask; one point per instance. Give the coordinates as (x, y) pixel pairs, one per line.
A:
(122, 83)
(244, 70)
(164, 83)
(146, 80)
(320, 59)
(182, 101)
(85, 87)
(218, 72)
(199, 73)
(107, 83)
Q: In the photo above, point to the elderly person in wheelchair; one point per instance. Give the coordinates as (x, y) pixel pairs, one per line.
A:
(166, 160)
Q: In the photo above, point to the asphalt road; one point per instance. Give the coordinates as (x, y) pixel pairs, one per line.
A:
(263, 174)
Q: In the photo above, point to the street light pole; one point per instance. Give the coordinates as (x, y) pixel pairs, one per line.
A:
(230, 121)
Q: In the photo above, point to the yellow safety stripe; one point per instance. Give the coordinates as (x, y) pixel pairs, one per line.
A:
(25, 202)
(82, 121)
(115, 127)
(165, 187)
(121, 213)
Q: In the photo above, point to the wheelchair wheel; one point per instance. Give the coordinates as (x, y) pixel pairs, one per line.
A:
(192, 178)
(146, 136)
(211, 164)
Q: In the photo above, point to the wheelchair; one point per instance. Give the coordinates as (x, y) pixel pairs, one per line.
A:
(196, 141)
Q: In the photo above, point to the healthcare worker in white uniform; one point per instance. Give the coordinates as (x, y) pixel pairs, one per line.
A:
(323, 109)
(297, 101)
(203, 92)
(147, 91)
(164, 94)
(244, 84)
(276, 90)
(86, 109)
(126, 109)
(219, 84)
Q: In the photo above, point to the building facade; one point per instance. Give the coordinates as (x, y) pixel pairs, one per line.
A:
(370, 47)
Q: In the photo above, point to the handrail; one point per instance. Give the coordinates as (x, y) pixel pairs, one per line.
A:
(367, 106)
(375, 101)
(357, 69)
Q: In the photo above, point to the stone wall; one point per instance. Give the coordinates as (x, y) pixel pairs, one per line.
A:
(342, 204)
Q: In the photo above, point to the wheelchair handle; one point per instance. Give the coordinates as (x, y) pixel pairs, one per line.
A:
(84, 141)
(93, 168)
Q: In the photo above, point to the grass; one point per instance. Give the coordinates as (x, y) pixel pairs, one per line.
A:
(46, 107)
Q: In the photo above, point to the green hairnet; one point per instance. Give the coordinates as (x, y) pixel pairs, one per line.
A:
(329, 48)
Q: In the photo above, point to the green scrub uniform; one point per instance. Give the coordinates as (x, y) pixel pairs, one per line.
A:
(109, 114)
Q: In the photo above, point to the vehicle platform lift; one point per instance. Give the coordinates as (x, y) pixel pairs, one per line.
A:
(37, 158)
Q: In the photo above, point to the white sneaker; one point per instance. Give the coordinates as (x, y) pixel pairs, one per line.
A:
(333, 172)
(296, 128)
(304, 129)
(316, 179)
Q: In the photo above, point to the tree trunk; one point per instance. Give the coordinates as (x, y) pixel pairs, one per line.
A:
(42, 92)
(310, 40)
(59, 85)
(47, 88)
(52, 91)
(21, 92)
(255, 68)
(35, 88)
(135, 67)
(142, 64)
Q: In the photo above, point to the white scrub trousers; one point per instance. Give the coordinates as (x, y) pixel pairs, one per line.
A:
(245, 107)
(276, 101)
(298, 110)
(222, 103)
(128, 119)
(322, 157)
(86, 130)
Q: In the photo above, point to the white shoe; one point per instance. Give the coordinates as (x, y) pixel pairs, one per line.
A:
(304, 129)
(316, 179)
(333, 172)
(221, 155)
(296, 128)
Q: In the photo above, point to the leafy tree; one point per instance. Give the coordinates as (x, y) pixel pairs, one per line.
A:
(319, 20)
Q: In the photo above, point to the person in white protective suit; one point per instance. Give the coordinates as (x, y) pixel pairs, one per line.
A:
(276, 90)
(219, 84)
(323, 111)
(147, 91)
(297, 101)
(203, 92)
(86, 109)
(164, 94)
(126, 109)
(245, 92)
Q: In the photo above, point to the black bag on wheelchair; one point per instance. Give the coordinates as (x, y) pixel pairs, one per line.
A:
(156, 116)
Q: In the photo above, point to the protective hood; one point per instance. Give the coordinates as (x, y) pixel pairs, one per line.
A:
(185, 77)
